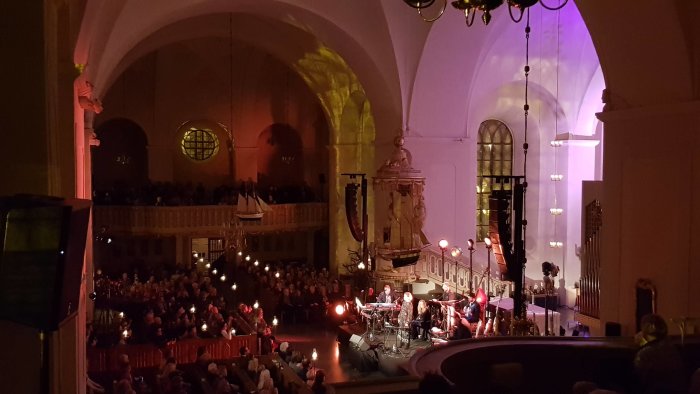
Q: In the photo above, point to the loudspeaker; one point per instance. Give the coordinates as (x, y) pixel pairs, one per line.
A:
(42, 248)
(613, 329)
(359, 342)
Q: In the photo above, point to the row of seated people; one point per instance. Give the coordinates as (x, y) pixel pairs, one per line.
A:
(177, 194)
(182, 306)
(295, 293)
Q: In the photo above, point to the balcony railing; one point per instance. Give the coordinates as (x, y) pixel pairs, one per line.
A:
(140, 220)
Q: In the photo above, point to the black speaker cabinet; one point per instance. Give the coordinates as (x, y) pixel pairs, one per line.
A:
(42, 250)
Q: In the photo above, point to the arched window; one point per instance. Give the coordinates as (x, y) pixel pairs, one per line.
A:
(494, 157)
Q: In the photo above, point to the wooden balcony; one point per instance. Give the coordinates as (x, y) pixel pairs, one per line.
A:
(151, 220)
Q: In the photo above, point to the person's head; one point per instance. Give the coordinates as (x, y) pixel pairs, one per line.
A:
(407, 296)
(243, 351)
(320, 377)
(387, 289)
(422, 306)
(653, 327)
(213, 369)
(471, 296)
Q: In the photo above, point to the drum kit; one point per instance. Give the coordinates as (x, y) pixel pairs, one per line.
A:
(378, 315)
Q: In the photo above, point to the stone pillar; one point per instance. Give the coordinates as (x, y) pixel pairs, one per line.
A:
(651, 210)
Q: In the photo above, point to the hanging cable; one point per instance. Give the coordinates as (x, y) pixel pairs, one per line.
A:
(526, 109)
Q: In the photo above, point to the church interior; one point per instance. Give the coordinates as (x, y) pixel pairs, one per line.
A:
(504, 152)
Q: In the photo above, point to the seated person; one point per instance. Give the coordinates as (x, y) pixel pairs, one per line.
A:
(472, 315)
(422, 321)
(387, 296)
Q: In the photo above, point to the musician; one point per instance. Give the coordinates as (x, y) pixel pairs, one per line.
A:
(387, 296)
(423, 321)
(470, 315)
(405, 318)
(447, 294)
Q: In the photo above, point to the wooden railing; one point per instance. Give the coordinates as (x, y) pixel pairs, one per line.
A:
(589, 299)
(455, 272)
(176, 220)
(185, 352)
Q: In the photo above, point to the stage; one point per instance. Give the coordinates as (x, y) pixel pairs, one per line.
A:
(377, 352)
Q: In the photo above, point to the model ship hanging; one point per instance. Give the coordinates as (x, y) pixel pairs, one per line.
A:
(250, 206)
(398, 189)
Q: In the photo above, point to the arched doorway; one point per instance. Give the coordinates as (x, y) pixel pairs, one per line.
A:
(122, 157)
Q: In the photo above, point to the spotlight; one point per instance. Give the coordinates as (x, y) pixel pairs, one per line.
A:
(240, 253)
(277, 274)
(192, 310)
(267, 268)
(247, 258)
(339, 309)
(214, 271)
(256, 263)
(109, 240)
(274, 321)
(121, 315)
(256, 305)
(204, 326)
(234, 287)
(223, 278)
(443, 244)
(470, 243)
(487, 241)
(456, 251)
(314, 355)
(233, 331)
(195, 254)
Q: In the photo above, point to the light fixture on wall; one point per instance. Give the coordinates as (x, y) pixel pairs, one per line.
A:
(288, 159)
(470, 7)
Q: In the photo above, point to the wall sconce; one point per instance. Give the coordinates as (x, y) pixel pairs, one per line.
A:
(288, 159)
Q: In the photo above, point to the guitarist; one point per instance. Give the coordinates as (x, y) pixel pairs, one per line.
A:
(471, 314)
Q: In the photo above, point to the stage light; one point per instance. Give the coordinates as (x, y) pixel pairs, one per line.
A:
(247, 258)
(274, 321)
(443, 244)
(192, 310)
(240, 253)
(361, 265)
(121, 315)
(234, 287)
(256, 305)
(456, 251)
(314, 355)
(214, 271)
(339, 309)
(233, 331)
(267, 268)
(277, 274)
(125, 333)
(256, 263)
(195, 255)
(109, 240)
(204, 326)
(470, 243)
(487, 241)
(223, 278)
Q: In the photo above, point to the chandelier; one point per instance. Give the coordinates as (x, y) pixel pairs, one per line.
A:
(470, 7)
